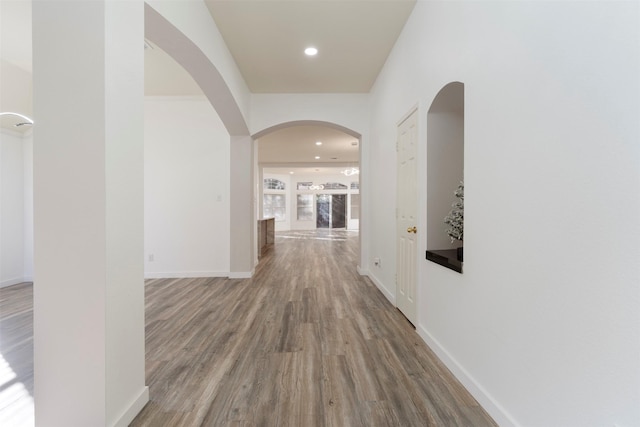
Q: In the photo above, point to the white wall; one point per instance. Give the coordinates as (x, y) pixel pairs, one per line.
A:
(12, 245)
(27, 144)
(186, 189)
(543, 326)
(348, 110)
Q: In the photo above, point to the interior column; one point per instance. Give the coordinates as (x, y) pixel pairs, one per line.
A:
(243, 215)
(88, 222)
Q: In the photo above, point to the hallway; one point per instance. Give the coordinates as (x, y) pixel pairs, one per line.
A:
(305, 342)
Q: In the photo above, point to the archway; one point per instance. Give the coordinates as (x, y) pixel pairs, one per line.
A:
(331, 180)
(445, 164)
(186, 53)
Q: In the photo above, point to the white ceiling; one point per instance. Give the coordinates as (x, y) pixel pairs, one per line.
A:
(294, 149)
(267, 39)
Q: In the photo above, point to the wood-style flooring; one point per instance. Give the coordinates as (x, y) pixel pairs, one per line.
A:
(16, 355)
(305, 342)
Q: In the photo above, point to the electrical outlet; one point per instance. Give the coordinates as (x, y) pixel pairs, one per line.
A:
(376, 262)
(151, 257)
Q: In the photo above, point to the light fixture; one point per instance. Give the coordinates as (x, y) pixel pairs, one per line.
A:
(351, 171)
(28, 121)
(317, 157)
(318, 142)
(316, 187)
(311, 51)
(291, 173)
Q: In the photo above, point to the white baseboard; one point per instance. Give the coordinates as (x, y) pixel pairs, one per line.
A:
(134, 409)
(240, 275)
(199, 274)
(185, 274)
(11, 282)
(497, 412)
(387, 293)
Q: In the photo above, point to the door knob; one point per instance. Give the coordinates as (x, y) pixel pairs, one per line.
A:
(412, 229)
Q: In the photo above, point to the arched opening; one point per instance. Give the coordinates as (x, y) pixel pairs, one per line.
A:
(445, 171)
(186, 53)
(318, 164)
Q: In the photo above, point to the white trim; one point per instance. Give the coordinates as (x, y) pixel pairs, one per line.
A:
(412, 110)
(387, 293)
(177, 98)
(134, 409)
(15, 281)
(240, 275)
(15, 133)
(185, 274)
(497, 412)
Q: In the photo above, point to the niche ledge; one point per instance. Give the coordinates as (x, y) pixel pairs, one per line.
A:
(446, 258)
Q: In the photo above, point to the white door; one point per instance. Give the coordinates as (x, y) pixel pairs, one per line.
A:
(406, 217)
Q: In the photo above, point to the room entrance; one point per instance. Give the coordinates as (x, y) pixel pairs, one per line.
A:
(331, 210)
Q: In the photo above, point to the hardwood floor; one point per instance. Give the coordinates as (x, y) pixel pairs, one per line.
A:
(305, 342)
(16, 355)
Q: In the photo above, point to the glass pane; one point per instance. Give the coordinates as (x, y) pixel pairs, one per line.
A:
(355, 185)
(355, 206)
(279, 214)
(274, 205)
(304, 185)
(305, 207)
(334, 186)
(273, 184)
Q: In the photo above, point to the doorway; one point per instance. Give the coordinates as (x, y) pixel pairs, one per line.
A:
(407, 210)
(331, 210)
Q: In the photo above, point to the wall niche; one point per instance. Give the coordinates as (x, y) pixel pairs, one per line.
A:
(445, 171)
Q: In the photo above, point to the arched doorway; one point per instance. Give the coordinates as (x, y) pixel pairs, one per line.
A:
(317, 167)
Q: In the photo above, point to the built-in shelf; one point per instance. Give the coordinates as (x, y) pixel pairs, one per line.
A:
(446, 258)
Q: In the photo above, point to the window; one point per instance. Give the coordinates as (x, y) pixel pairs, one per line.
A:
(304, 185)
(305, 207)
(355, 206)
(355, 185)
(273, 184)
(274, 205)
(334, 186)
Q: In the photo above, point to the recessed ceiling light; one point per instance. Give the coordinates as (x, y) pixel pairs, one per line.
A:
(317, 157)
(291, 172)
(318, 142)
(311, 51)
